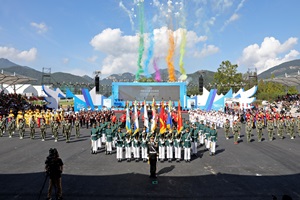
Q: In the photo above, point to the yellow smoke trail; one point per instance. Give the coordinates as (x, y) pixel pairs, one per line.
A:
(169, 58)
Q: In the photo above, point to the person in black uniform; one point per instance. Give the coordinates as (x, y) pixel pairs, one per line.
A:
(54, 168)
(152, 155)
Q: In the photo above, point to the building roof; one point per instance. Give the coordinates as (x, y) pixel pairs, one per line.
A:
(13, 79)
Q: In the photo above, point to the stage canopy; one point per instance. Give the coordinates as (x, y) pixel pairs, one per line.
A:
(13, 79)
(288, 80)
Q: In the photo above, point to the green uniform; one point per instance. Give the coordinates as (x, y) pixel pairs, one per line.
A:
(227, 129)
(291, 126)
(63, 123)
(248, 131)
(43, 130)
(259, 129)
(77, 128)
(55, 131)
(68, 128)
(120, 139)
(10, 129)
(32, 128)
(213, 135)
(109, 135)
(298, 125)
(270, 128)
(235, 130)
(21, 129)
(94, 134)
(280, 128)
(2, 127)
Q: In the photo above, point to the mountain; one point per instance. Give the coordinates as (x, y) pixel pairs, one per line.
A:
(290, 68)
(5, 63)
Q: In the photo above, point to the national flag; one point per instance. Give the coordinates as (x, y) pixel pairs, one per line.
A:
(146, 120)
(162, 119)
(179, 121)
(169, 119)
(136, 119)
(153, 125)
(128, 126)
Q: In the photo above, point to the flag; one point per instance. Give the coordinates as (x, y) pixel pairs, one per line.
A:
(179, 121)
(128, 126)
(169, 120)
(136, 119)
(146, 120)
(153, 125)
(162, 119)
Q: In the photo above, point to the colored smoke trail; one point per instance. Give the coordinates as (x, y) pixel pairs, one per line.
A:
(182, 52)
(150, 52)
(141, 41)
(157, 73)
(169, 58)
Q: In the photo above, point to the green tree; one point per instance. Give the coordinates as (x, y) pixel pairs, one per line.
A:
(227, 77)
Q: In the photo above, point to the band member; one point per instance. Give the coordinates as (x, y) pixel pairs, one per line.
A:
(94, 138)
(177, 147)
(152, 155)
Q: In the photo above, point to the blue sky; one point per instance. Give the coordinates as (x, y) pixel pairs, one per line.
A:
(81, 37)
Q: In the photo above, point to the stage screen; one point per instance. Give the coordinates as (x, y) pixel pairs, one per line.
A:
(131, 93)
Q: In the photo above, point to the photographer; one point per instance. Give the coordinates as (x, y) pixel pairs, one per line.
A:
(54, 168)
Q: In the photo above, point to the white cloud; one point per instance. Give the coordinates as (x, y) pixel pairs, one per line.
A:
(92, 59)
(41, 27)
(207, 50)
(122, 50)
(66, 60)
(78, 72)
(269, 54)
(15, 54)
(234, 16)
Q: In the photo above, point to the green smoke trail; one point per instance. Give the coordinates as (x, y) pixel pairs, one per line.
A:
(141, 41)
(182, 51)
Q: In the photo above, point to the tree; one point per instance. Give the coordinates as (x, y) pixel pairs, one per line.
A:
(227, 77)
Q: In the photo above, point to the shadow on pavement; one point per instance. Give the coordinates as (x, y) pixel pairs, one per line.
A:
(139, 186)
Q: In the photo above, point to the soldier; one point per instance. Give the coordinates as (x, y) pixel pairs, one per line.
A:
(21, 128)
(63, 123)
(52, 126)
(291, 128)
(120, 144)
(152, 155)
(187, 145)
(9, 127)
(298, 124)
(99, 137)
(144, 144)
(43, 129)
(207, 136)
(77, 127)
(259, 129)
(161, 147)
(213, 139)
(280, 128)
(109, 137)
(55, 131)
(13, 124)
(239, 123)
(227, 129)
(248, 130)
(235, 130)
(201, 132)
(136, 147)
(194, 136)
(177, 147)
(32, 125)
(169, 146)
(2, 128)
(94, 137)
(270, 127)
(128, 147)
(68, 129)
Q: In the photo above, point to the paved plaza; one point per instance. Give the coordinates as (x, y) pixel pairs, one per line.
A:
(244, 171)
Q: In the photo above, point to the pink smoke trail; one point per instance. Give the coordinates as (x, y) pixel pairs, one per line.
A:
(157, 73)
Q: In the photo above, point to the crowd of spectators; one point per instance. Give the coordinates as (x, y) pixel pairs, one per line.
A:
(15, 102)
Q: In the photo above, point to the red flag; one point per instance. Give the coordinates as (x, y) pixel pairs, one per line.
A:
(162, 119)
(179, 122)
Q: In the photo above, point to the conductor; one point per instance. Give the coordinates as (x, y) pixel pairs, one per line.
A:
(152, 155)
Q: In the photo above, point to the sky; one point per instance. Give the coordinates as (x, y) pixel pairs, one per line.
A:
(112, 36)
